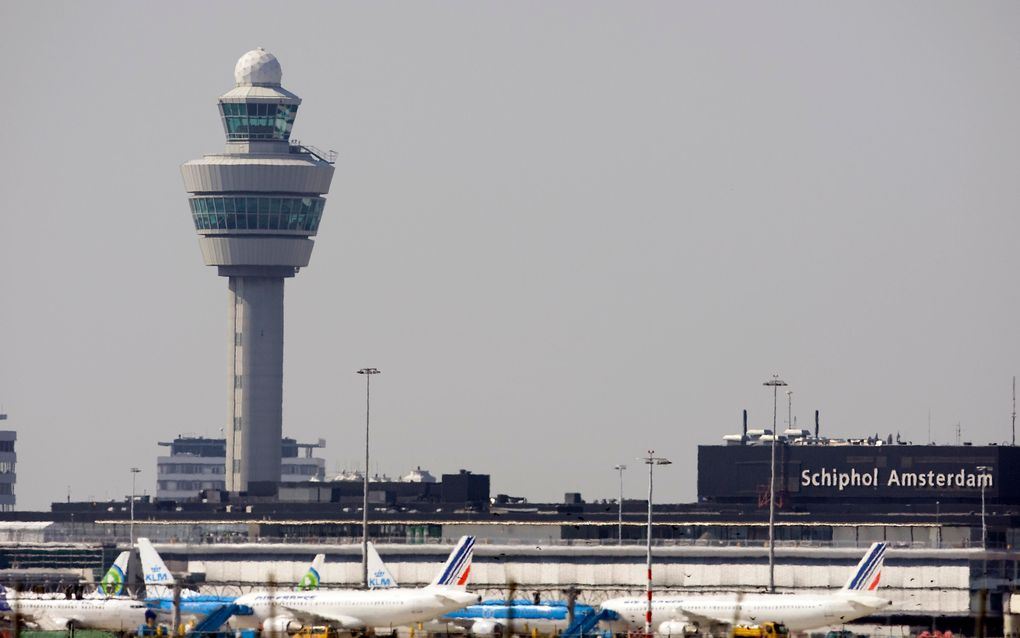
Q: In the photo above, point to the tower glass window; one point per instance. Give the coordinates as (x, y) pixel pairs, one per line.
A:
(257, 213)
(257, 121)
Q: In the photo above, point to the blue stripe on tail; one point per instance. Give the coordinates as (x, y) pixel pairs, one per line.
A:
(863, 575)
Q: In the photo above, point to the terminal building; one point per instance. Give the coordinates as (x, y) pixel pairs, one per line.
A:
(951, 561)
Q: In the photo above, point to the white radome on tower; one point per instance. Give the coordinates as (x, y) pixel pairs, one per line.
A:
(258, 67)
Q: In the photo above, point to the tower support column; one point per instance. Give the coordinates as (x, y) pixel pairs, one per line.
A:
(255, 417)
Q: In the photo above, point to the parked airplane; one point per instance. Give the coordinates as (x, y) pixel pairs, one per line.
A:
(106, 609)
(521, 617)
(490, 617)
(677, 615)
(362, 609)
(159, 585)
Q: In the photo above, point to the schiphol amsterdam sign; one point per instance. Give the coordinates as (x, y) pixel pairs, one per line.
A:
(873, 477)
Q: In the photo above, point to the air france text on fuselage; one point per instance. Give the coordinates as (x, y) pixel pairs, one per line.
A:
(872, 478)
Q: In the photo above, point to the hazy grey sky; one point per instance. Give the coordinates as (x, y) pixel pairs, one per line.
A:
(565, 232)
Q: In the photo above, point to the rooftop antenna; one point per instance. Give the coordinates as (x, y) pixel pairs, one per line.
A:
(1014, 410)
(816, 424)
(959, 428)
(743, 440)
(929, 426)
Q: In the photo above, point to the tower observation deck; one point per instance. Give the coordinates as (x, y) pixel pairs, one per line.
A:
(256, 207)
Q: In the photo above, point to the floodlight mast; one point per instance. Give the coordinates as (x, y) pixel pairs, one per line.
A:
(775, 383)
(651, 461)
(368, 372)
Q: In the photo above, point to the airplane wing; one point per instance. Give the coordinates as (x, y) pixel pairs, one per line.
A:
(700, 617)
(337, 621)
(48, 622)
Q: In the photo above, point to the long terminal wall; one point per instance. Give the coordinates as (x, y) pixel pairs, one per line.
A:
(922, 582)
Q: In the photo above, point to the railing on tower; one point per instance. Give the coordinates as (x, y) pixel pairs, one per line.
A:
(325, 156)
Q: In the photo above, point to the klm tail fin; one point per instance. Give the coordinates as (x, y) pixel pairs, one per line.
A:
(159, 582)
(869, 570)
(112, 583)
(310, 581)
(379, 577)
(458, 566)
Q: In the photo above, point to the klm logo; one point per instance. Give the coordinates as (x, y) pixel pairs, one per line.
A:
(379, 579)
(156, 575)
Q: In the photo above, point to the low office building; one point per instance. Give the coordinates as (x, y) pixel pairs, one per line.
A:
(197, 464)
(8, 461)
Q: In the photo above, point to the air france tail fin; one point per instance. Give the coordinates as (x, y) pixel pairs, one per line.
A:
(310, 581)
(458, 566)
(159, 582)
(379, 577)
(112, 583)
(869, 570)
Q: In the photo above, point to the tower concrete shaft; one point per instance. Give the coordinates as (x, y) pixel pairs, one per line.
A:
(256, 371)
(256, 207)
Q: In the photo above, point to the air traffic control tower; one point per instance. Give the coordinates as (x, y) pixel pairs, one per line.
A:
(256, 207)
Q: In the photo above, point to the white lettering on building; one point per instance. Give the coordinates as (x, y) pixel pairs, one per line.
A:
(964, 479)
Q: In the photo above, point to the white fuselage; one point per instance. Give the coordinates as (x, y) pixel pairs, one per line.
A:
(352, 609)
(799, 612)
(55, 613)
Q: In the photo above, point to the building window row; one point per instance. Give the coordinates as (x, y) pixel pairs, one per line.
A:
(6, 446)
(257, 213)
(190, 468)
(257, 121)
(302, 469)
(184, 486)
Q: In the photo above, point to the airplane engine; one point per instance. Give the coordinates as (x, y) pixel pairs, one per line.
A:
(486, 628)
(278, 625)
(677, 628)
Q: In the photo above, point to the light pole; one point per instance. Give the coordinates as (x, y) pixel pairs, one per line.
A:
(789, 409)
(368, 372)
(134, 473)
(620, 468)
(938, 525)
(651, 461)
(775, 382)
(983, 470)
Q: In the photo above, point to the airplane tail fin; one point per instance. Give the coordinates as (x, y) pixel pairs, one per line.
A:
(158, 579)
(113, 582)
(458, 566)
(379, 577)
(869, 570)
(310, 581)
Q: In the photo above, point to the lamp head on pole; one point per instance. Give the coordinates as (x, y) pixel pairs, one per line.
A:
(775, 381)
(620, 467)
(368, 371)
(651, 459)
(135, 470)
